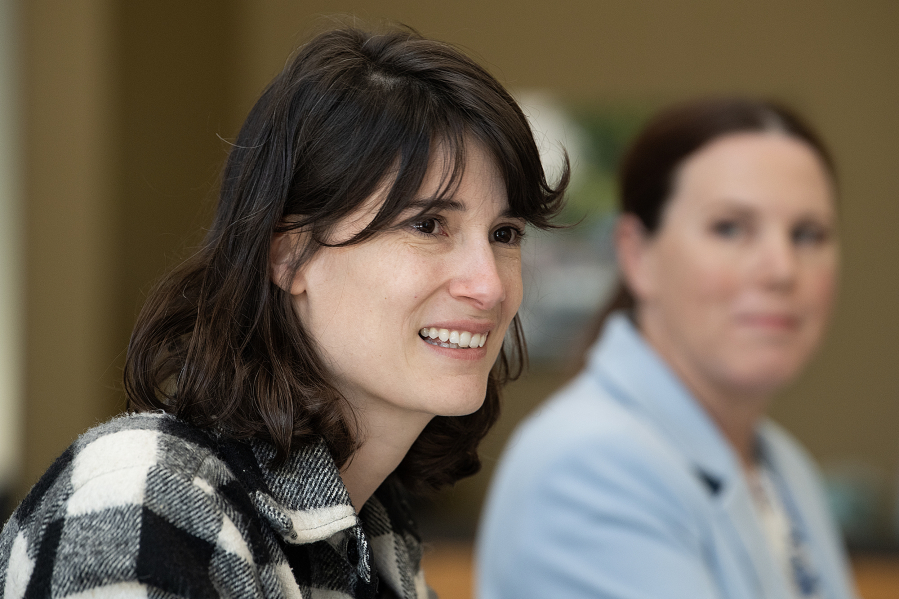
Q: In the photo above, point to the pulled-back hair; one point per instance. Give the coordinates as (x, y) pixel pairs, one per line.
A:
(649, 168)
(219, 344)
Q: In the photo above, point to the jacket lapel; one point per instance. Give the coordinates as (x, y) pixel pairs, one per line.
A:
(633, 373)
(304, 499)
(739, 514)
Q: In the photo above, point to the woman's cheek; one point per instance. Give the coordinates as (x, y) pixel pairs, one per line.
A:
(822, 294)
(715, 281)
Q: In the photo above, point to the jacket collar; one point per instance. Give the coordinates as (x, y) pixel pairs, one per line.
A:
(624, 364)
(304, 499)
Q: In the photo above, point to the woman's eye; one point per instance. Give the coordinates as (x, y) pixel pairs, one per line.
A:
(728, 229)
(508, 235)
(809, 234)
(427, 226)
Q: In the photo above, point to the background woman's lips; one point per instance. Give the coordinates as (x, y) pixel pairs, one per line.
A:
(773, 321)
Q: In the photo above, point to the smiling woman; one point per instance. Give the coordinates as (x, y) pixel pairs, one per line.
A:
(655, 473)
(737, 285)
(453, 266)
(340, 338)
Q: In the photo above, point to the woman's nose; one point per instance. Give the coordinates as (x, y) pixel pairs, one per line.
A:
(476, 276)
(778, 263)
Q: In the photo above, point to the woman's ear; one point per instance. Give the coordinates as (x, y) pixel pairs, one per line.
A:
(633, 247)
(281, 260)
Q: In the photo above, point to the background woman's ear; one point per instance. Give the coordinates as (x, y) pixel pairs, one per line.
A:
(281, 260)
(633, 246)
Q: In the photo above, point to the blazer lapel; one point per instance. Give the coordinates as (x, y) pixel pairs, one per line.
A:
(631, 370)
(740, 515)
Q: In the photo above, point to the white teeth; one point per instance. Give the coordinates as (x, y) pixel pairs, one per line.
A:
(464, 339)
(454, 339)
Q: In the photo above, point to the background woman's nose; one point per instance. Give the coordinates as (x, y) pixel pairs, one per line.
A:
(777, 261)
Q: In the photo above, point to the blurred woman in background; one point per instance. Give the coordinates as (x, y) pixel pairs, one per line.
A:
(655, 472)
(336, 341)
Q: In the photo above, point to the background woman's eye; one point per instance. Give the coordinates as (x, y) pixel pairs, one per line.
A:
(427, 226)
(507, 235)
(727, 228)
(809, 234)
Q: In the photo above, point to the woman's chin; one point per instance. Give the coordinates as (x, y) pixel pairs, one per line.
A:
(763, 380)
(462, 405)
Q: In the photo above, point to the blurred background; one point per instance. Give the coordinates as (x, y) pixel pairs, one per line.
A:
(114, 121)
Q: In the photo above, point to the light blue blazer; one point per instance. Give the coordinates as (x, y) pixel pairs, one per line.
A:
(621, 486)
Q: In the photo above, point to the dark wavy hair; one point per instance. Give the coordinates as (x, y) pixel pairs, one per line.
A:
(218, 343)
(649, 168)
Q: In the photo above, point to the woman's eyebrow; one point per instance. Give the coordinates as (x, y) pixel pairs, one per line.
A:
(436, 204)
(734, 204)
(424, 204)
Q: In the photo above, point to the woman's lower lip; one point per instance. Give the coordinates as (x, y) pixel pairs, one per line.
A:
(770, 322)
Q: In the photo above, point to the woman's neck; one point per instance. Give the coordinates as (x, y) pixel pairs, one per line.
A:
(385, 441)
(737, 418)
(736, 412)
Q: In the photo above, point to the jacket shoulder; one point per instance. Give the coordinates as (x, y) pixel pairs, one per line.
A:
(140, 497)
(589, 480)
(584, 420)
(584, 438)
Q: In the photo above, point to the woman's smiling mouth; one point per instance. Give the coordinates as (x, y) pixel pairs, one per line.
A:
(452, 338)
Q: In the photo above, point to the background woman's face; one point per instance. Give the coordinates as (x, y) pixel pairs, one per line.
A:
(738, 282)
(379, 310)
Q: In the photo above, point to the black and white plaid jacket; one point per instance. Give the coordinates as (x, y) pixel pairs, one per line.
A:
(148, 506)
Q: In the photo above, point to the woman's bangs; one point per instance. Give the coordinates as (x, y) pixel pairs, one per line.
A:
(415, 163)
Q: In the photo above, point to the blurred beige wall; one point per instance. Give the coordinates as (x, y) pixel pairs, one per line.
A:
(11, 254)
(124, 103)
(70, 219)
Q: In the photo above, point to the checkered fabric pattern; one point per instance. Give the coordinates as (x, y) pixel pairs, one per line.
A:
(148, 506)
